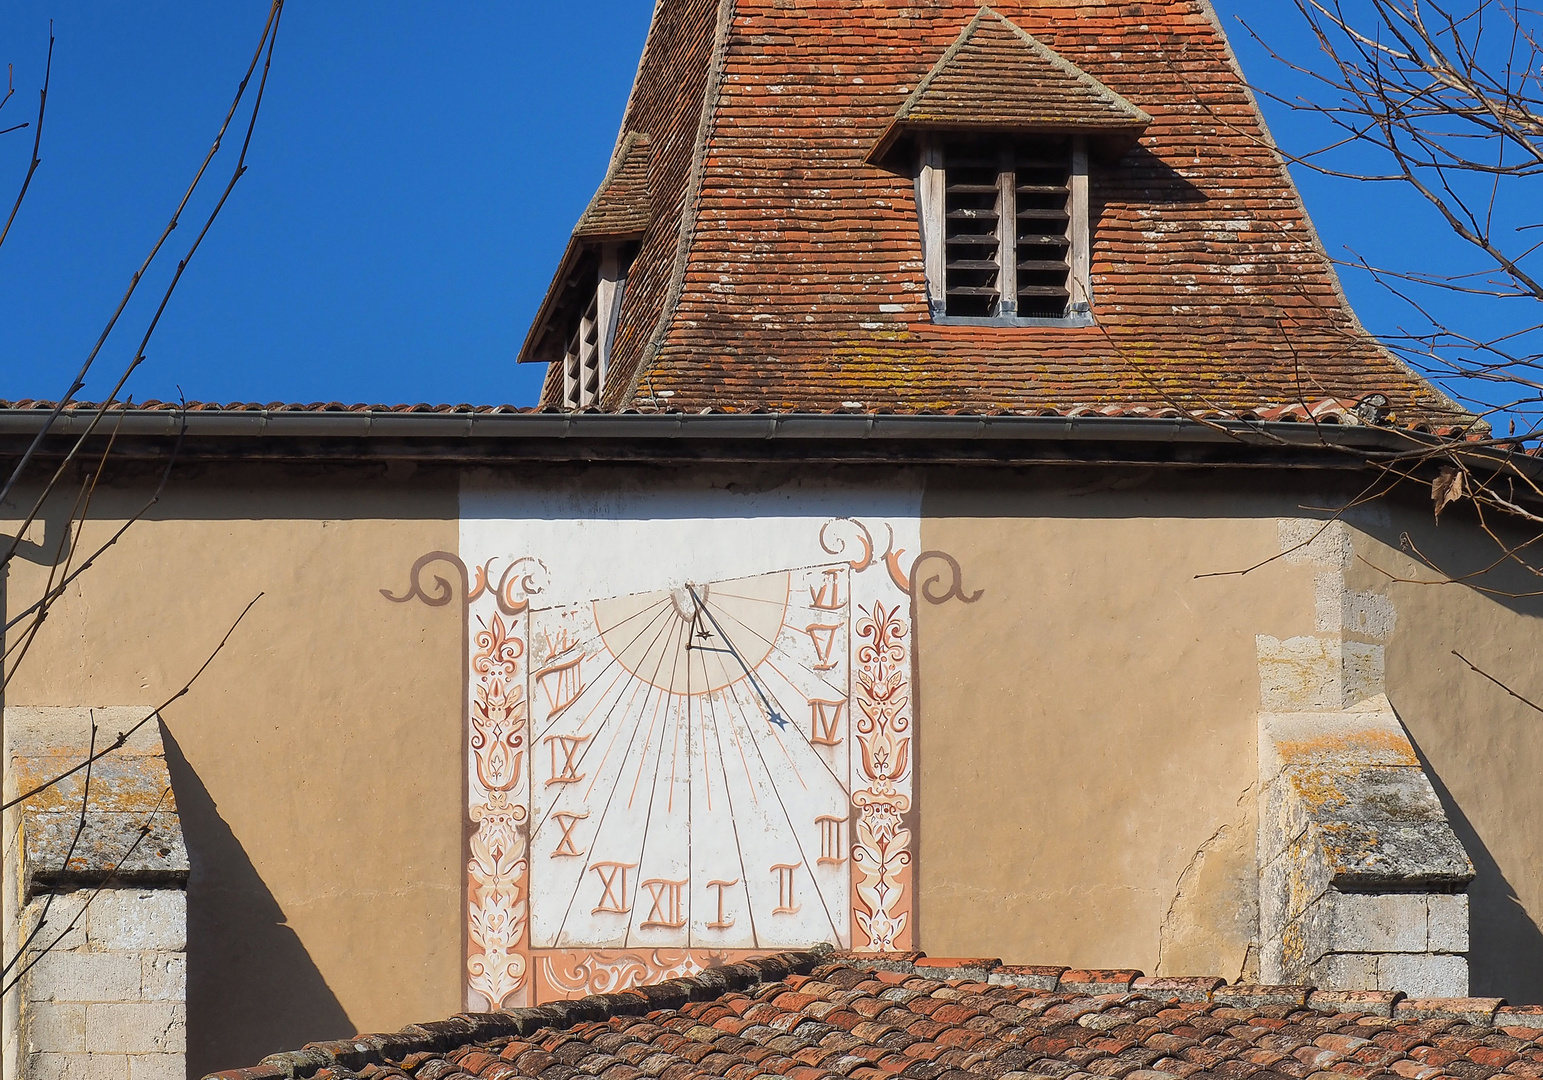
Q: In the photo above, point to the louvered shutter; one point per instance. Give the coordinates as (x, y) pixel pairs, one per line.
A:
(972, 268)
(1008, 218)
(1042, 175)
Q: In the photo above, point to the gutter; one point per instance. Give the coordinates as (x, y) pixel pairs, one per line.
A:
(271, 424)
(468, 438)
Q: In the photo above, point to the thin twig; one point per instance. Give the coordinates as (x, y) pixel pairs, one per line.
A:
(37, 137)
(80, 828)
(107, 876)
(1480, 671)
(65, 583)
(270, 30)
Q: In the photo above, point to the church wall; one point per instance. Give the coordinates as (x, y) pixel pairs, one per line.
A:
(316, 763)
(1094, 714)
(1481, 747)
(1090, 758)
(1084, 749)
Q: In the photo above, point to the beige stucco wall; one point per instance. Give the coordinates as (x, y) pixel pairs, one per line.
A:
(1089, 726)
(1088, 734)
(317, 762)
(1483, 749)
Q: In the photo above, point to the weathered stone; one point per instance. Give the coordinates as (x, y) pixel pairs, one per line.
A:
(1324, 544)
(1355, 854)
(1425, 975)
(1449, 922)
(157, 1067)
(164, 976)
(1300, 673)
(1369, 615)
(137, 1028)
(50, 1066)
(56, 1028)
(1375, 922)
(62, 910)
(84, 977)
(1357, 970)
(108, 999)
(1363, 670)
(139, 919)
(110, 841)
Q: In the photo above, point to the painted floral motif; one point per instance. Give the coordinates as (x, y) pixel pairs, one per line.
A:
(498, 867)
(570, 973)
(881, 849)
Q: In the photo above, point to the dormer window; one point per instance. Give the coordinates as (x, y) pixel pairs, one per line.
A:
(999, 134)
(581, 318)
(587, 355)
(1005, 228)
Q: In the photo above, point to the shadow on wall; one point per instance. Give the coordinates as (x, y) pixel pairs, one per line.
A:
(1505, 954)
(253, 990)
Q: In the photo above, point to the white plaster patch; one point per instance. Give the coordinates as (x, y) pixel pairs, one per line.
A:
(598, 541)
(1324, 544)
(1370, 615)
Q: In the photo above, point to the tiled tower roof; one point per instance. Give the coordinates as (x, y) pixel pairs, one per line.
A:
(781, 267)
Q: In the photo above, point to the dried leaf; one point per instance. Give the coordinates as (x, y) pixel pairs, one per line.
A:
(1447, 488)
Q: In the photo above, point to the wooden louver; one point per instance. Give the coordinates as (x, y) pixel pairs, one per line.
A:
(581, 361)
(1007, 229)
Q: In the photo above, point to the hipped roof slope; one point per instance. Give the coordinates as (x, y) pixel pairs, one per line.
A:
(782, 267)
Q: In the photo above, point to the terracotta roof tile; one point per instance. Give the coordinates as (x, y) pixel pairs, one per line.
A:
(1320, 411)
(905, 1021)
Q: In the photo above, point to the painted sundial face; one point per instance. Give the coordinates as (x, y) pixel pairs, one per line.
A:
(689, 765)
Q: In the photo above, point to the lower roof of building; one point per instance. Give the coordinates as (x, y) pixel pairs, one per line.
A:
(845, 1016)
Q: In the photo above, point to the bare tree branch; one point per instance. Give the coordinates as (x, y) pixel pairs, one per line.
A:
(1480, 671)
(37, 135)
(265, 44)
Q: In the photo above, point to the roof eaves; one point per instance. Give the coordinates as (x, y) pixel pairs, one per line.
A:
(550, 303)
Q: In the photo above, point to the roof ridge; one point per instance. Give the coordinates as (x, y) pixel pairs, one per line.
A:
(1114, 118)
(943, 61)
(1104, 988)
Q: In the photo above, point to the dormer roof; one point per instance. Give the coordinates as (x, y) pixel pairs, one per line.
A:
(998, 77)
(621, 209)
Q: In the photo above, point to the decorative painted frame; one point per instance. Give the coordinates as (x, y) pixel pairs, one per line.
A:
(502, 595)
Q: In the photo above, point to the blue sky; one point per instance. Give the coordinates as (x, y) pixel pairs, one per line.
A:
(414, 177)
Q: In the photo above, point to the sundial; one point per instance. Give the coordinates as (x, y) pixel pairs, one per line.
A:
(690, 766)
